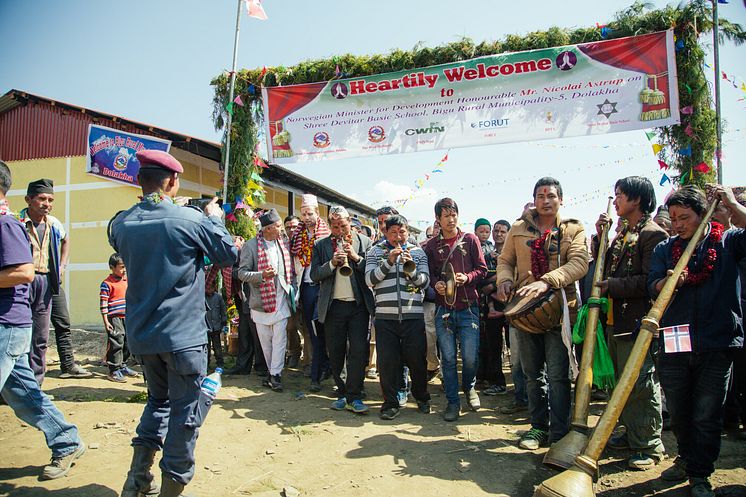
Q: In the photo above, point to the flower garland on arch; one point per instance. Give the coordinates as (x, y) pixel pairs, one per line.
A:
(702, 274)
(539, 258)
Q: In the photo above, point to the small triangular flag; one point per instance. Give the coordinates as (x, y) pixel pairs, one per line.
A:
(445, 158)
(252, 89)
(227, 208)
(229, 107)
(256, 177)
(688, 130)
(238, 101)
(686, 151)
(687, 110)
(664, 179)
(682, 180)
(679, 45)
(663, 165)
(261, 74)
(657, 147)
(650, 134)
(702, 167)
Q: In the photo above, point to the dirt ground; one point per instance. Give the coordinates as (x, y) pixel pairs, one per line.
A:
(260, 443)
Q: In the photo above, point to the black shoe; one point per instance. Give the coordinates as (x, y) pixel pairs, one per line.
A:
(423, 406)
(236, 371)
(275, 383)
(293, 362)
(452, 412)
(389, 413)
(75, 371)
(315, 387)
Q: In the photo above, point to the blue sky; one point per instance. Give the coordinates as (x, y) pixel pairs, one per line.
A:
(152, 61)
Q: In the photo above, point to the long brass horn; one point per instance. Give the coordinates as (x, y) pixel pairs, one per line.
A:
(563, 453)
(577, 481)
(345, 269)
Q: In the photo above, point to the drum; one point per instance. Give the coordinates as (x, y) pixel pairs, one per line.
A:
(535, 315)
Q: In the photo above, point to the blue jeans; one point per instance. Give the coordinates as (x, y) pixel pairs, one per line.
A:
(542, 352)
(695, 385)
(22, 393)
(516, 369)
(460, 327)
(173, 413)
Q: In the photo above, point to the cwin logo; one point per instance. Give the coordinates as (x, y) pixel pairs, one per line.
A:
(434, 128)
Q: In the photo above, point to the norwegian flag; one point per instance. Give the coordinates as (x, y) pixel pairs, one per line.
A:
(676, 339)
(255, 9)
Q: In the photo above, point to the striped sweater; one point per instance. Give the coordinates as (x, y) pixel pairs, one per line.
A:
(397, 295)
(112, 294)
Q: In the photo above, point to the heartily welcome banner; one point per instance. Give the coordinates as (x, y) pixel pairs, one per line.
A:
(110, 153)
(592, 88)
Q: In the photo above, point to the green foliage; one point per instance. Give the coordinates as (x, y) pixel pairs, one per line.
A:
(689, 21)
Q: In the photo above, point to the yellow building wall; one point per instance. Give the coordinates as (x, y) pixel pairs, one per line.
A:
(85, 204)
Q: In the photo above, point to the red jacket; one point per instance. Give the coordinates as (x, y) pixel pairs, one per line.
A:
(467, 258)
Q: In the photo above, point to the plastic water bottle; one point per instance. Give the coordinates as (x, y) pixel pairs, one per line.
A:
(211, 384)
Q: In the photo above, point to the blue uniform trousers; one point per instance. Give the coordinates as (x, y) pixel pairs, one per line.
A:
(173, 413)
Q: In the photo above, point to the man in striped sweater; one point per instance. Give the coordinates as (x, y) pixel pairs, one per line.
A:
(113, 290)
(398, 274)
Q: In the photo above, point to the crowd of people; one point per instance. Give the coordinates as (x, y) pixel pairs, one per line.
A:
(343, 301)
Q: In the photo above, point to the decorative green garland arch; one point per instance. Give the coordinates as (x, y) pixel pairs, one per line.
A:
(688, 22)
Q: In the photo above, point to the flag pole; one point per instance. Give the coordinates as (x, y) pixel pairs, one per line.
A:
(226, 157)
(718, 126)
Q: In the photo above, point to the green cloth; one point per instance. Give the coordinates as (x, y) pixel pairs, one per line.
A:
(603, 368)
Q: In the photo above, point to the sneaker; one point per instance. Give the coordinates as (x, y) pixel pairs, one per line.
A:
(452, 412)
(357, 407)
(493, 390)
(423, 406)
(315, 387)
(513, 408)
(533, 439)
(275, 383)
(371, 374)
(401, 397)
(700, 487)
(642, 461)
(75, 371)
(618, 442)
(340, 404)
(117, 376)
(389, 413)
(60, 466)
(676, 473)
(472, 400)
(129, 372)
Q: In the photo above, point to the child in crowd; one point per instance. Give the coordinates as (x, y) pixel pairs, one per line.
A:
(113, 289)
(217, 319)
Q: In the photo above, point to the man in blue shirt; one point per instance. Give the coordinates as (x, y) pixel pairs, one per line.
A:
(163, 246)
(700, 331)
(18, 385)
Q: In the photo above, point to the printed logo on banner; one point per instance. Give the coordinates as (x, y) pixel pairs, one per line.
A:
(566, 61)
(607, 108)
(491, 124)
(434, 128)
(321, 139)
(376, 134)
(339, 90)
(120, 163)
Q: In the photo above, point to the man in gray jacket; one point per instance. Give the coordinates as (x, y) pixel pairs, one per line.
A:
(398, 274)
(267, 267)
(345, 305)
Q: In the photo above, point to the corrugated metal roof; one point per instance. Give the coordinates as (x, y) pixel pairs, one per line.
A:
(35, 127)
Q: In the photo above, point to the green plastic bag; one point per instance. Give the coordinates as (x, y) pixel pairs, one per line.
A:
(603, 368)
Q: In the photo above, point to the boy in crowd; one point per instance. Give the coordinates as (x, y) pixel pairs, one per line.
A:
(111, 296)
(217, 320)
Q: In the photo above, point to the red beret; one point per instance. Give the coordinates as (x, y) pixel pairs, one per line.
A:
(159, 158)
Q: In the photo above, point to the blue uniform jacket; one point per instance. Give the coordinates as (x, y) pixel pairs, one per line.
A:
(163, 247)
(713, 309)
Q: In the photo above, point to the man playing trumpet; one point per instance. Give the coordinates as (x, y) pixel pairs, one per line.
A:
(398, 274)
(345, 305)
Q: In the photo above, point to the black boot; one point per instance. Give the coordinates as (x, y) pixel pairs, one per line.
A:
(139, 482)
(171, 488)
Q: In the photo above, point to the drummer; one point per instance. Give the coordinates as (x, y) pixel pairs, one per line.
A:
(529, 264)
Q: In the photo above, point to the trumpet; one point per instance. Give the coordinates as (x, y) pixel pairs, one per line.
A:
(345, 269)
(409, 266)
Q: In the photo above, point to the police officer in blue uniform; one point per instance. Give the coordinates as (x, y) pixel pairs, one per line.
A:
(163, 246)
